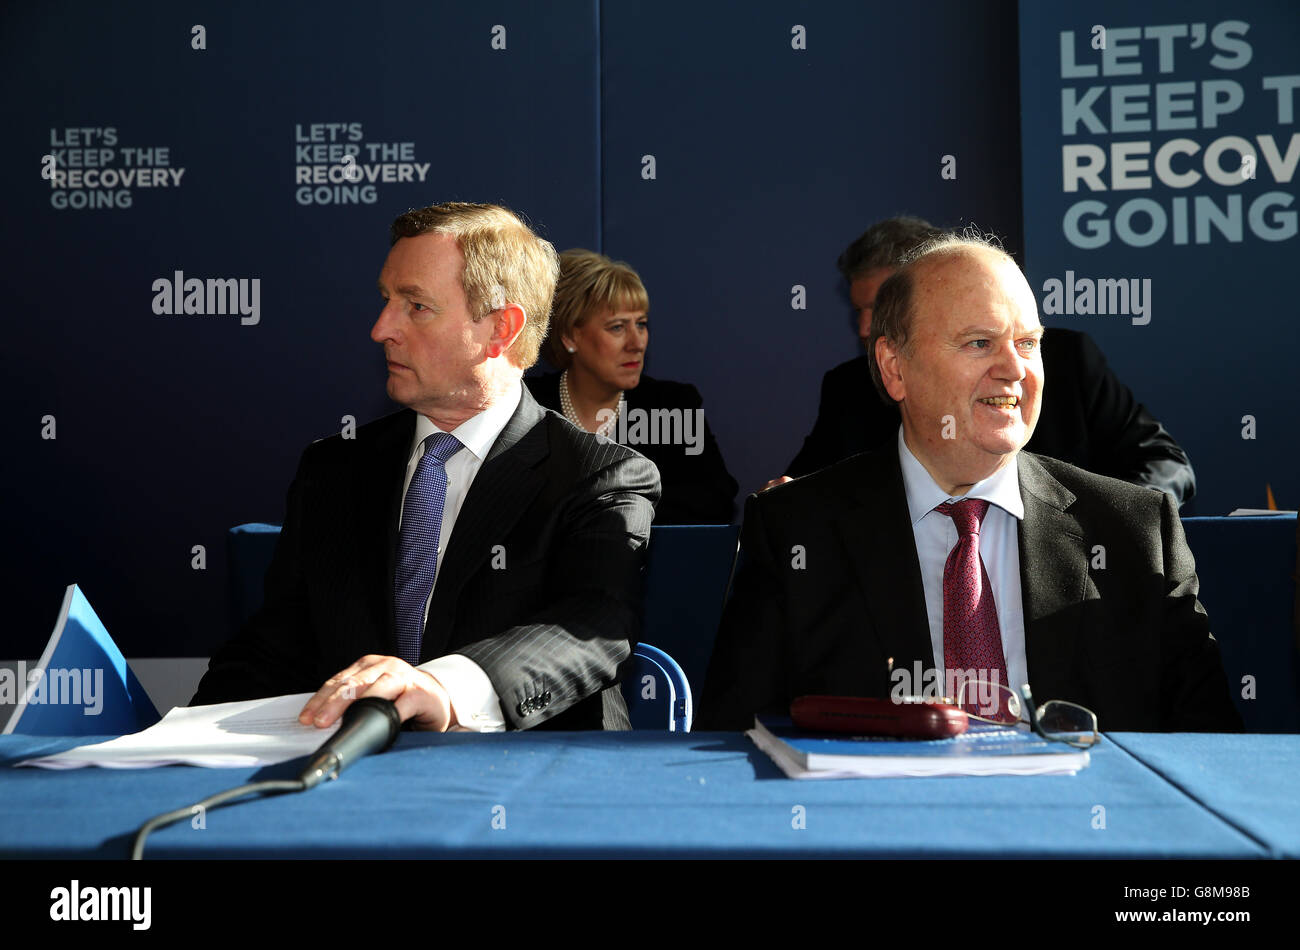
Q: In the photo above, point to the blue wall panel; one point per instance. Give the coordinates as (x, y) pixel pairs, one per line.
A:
(769, 160)
(172, 428)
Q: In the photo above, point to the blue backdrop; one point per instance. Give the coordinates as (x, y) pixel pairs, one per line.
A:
(728, 152)
(1136, 118)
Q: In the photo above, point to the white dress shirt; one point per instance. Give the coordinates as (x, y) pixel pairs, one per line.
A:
(936, 536)
(476, 704)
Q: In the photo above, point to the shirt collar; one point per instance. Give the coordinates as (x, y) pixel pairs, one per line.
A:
(479, 432)
(1002, 488)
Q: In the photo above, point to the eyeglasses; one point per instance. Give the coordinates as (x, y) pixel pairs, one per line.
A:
(1056, 720)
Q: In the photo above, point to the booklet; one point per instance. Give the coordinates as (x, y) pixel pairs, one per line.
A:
(981, 750)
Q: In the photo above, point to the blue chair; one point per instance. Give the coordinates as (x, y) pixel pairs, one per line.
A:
(249, 548)
(657, 692)
(687, 571)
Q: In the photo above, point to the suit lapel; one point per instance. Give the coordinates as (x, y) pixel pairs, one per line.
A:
(506, 484)
(1053, 578)
(876, 529)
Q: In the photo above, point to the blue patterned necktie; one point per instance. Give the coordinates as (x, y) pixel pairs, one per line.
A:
(417, 544)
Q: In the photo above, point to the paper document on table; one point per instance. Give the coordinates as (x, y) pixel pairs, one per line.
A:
(221, 736)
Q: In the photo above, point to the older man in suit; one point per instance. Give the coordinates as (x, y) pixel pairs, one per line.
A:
(952, 550)
(478, 554)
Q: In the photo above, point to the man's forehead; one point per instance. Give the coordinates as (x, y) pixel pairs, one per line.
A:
(422, 259)
(973, 282)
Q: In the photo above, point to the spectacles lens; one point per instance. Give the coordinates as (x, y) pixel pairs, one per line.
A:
(1069, 722)
(988, 701)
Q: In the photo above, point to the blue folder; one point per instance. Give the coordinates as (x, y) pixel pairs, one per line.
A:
(82, 685)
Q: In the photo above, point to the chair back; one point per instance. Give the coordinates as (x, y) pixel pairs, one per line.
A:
(687, 571)
(657, 692)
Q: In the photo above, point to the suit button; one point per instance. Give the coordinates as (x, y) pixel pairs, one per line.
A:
(524, 708)
(546, 698)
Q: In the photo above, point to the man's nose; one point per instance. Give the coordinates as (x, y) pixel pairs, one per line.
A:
(385, 324)
(1008, 364)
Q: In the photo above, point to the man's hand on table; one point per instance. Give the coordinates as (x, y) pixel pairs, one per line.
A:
(417, 694)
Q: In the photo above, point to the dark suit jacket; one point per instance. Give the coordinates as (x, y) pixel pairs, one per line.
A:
(1129, 641)
(551, 627)
(698, 489)
(1089, 419)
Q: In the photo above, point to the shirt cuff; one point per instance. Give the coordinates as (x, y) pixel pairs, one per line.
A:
(473, 700)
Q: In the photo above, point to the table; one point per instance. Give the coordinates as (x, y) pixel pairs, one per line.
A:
(1253, 784)
(670, 795)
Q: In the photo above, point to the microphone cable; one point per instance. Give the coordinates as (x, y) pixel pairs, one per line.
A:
(212, 801)
(369, 725)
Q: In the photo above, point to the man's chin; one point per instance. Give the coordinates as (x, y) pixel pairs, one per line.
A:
(399, 393)
(1005, 441)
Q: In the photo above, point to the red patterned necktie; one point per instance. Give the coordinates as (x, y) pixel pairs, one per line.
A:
(971, 638)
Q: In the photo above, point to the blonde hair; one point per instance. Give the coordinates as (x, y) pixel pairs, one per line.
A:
(590, 284)
(505, 262)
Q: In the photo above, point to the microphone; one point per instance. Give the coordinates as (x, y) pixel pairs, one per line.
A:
(369, 725)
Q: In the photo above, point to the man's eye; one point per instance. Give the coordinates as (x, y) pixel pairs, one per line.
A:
(418, 307)
(979, 344)
(1029, 345)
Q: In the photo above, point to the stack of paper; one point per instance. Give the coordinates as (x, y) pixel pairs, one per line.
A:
(226, 735)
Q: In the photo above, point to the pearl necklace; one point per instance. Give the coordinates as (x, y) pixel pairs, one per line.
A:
(570, 413)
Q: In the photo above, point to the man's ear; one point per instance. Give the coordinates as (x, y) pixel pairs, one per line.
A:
(510, 321)
(890, 362)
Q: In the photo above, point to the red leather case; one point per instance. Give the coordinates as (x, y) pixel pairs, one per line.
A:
(907, 718)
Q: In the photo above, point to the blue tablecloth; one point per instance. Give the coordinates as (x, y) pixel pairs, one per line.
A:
(649, 794)
(1253, 783)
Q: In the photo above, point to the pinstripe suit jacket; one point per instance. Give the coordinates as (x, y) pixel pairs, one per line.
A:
(540, 582)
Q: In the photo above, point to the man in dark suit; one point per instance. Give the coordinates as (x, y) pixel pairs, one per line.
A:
(480, 555)
(953, 551)
(1089, 417)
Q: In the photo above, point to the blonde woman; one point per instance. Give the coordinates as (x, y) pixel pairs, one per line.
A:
(598, 337)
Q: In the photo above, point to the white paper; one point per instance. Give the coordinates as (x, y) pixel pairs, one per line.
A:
(221, 736)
